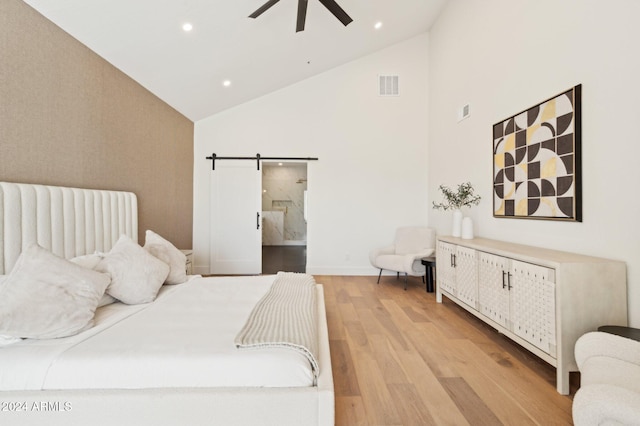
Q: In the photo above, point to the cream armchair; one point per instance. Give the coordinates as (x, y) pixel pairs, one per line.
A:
(411, 244)
(609, 391)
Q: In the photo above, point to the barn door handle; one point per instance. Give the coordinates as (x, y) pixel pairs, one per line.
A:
(258, 220)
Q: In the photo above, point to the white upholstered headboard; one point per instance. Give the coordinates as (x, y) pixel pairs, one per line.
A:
(68, 221)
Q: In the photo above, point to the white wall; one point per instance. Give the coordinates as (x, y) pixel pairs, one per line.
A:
(371, 175)
(503, 56)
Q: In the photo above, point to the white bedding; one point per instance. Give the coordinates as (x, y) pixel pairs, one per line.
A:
(183, 339)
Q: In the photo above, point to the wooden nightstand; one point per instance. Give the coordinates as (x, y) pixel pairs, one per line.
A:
(189, 264)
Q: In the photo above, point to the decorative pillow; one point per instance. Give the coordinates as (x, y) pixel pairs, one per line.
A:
(106, 299)
(6, 340)
(136, 276)
(169, 254)
(46, 296)
(91, 261)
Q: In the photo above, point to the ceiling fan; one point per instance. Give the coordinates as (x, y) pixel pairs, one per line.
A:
(333, 7)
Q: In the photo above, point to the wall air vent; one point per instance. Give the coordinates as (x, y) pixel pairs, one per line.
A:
(388, 85)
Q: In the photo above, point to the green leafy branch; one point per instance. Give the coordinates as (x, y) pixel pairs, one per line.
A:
(453, 200)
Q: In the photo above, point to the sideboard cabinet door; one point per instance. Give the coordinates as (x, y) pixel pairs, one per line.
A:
(533, 307)
(467, 276)
(445, 261)
(493, 294)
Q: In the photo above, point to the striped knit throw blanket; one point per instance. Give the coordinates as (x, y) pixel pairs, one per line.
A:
(285, 317)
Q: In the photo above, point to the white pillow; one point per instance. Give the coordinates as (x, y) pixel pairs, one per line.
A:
(6, 340)
(106, 299)
(91, 261)
(136, 276)
(169, 254)
(46, 296)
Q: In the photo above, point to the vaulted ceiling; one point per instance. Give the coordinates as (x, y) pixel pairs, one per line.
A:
(145, 39)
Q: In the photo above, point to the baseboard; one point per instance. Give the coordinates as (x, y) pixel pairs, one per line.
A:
(287, 243)
(320, 270)
(200, 270)
(340, 270)
(294, 243)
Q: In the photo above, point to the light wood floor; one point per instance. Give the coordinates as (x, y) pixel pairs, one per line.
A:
(399, 358)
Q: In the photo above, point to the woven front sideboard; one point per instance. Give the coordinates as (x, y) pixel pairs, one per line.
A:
(542, 299)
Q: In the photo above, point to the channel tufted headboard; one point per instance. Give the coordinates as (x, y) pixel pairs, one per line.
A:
(68, 221)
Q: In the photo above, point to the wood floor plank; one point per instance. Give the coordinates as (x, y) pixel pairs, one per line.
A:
(434, 349)
(345, 379)
(368, 321)
(480, 376)
(354, 290)
(350, 411)
(414, 314)
(472, 407)
(380, 407)
(348, 311)
(411, 407)
(517, 383)
(393, 332)
(335, 323)
(440, 405)
(402, 358)
(342, 295)
(357, 336)
(360, 302)
(400, 317)
(388, 360)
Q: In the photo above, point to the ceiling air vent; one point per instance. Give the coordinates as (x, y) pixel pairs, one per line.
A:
(388, 85)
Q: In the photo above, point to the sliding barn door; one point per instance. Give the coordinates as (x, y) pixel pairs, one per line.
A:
(236, 227)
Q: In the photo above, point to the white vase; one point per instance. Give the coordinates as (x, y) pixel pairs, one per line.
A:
(467, 228)
(456, 230)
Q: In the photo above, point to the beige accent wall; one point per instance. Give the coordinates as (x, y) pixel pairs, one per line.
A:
(69, 118)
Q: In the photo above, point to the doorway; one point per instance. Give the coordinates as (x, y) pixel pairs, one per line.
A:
(284, 221)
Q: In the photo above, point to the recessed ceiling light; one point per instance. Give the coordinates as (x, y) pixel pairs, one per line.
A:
(378, 25)
(226, 83)
(279, 164)
(187, 27)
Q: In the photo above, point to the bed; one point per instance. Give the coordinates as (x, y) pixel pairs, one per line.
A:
(170, 361)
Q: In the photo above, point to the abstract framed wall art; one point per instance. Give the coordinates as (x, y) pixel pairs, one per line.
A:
(537, 161)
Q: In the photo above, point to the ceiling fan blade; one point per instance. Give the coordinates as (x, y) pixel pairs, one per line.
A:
(302, 15)
(263, 8)
(337, 11)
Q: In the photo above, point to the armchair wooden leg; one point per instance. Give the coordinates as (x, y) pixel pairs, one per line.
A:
(379, 276)
(405, 281)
